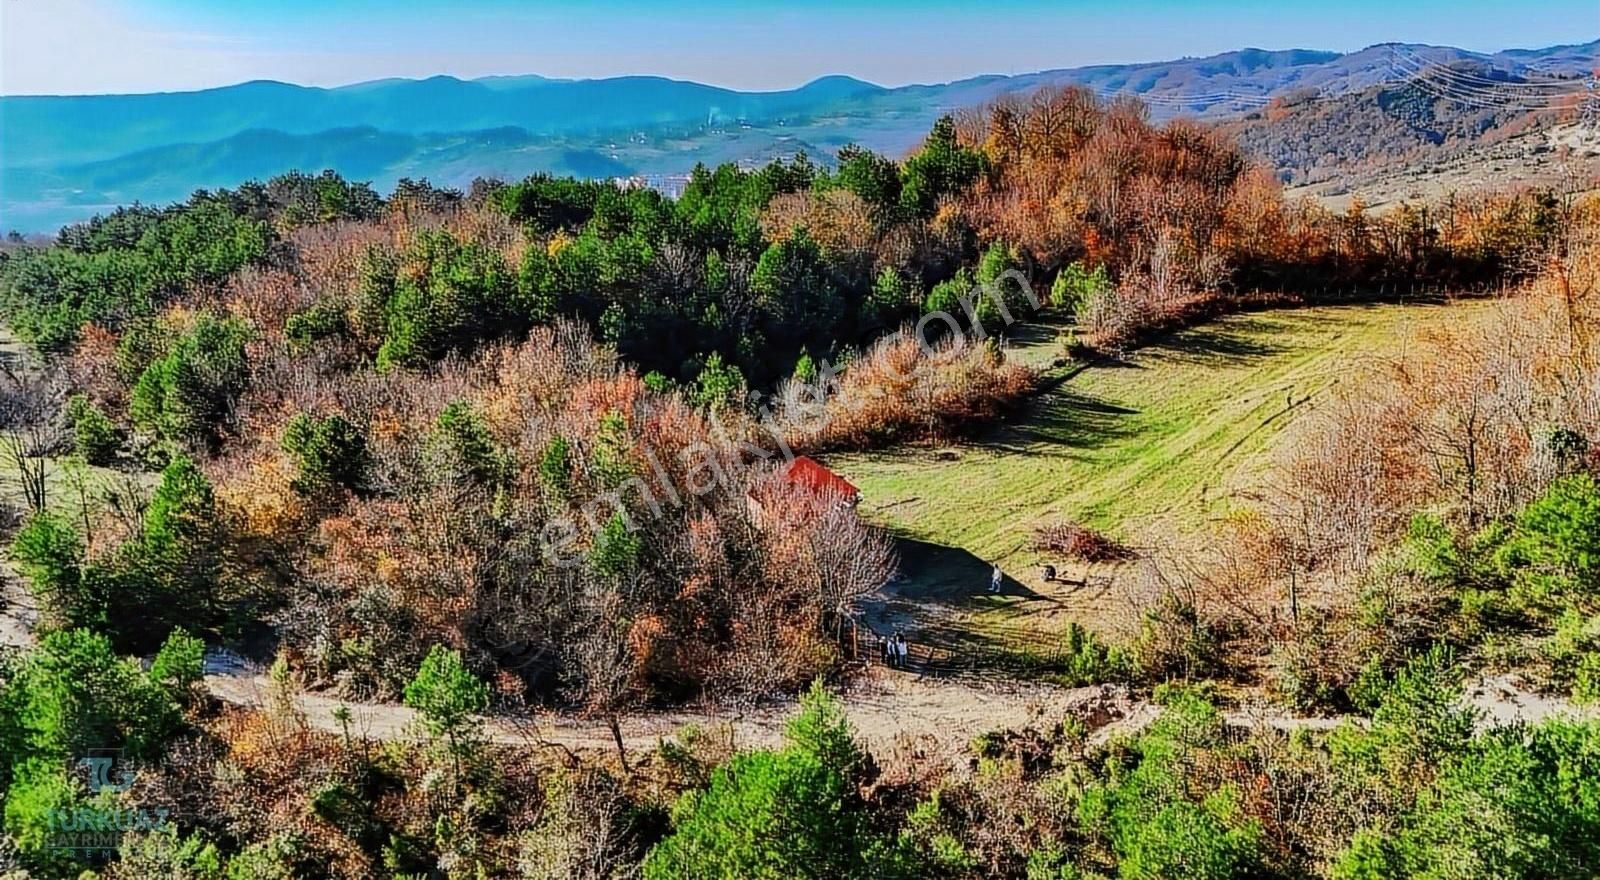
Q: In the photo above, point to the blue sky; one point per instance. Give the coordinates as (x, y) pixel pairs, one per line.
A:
(87, 46)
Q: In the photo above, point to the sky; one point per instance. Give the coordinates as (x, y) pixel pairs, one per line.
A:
(101, 46)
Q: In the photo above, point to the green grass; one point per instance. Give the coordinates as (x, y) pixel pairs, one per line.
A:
(69, 484)
(1145, 449)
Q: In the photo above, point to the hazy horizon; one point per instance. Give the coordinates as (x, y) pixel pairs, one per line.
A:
(533, 74)
(75, 47)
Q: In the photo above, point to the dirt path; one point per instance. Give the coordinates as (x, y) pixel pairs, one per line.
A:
(883, 706)
(18, 611)
(887, 708)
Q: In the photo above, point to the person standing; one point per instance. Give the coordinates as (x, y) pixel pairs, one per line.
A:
(995, 579)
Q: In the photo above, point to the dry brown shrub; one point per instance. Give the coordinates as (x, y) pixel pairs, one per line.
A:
(836, 219)
(1176, 289)
(902, 390)
(1079, 542)
(264, 505)
(266, 297)
(268, 775)
(329, 255)
(1455, 420)
(92, 368)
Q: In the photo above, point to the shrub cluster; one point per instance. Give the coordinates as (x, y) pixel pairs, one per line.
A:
(1079, 542)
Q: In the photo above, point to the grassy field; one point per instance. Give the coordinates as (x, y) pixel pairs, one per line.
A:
(67, 484)
(1146, 449)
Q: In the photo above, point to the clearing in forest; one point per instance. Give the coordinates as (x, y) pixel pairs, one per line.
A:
(1148, 449)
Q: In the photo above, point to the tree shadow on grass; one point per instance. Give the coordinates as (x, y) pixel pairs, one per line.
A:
(938, 578)
(1061, 415)
(1033, 334)
(1065, 417)
(1215, 346)
(938, 587)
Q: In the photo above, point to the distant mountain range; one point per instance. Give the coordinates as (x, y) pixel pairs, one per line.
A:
(52, 128)
(63, 158)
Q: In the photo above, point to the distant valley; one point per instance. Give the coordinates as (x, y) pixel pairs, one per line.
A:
(1316, 116)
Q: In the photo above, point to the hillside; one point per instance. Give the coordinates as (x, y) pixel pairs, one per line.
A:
(62, 158)
(1563, 155)
(1451, 111)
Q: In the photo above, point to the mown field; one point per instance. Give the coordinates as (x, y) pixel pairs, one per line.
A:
(1149, 449)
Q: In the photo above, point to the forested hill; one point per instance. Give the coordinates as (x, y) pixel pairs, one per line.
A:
(41, 129)
(63, 158)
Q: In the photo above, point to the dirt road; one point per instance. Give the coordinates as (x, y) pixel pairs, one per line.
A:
(18, 611)
(883, 707)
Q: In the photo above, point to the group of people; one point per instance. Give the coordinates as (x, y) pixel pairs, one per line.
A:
(895, 650)
(894, 646)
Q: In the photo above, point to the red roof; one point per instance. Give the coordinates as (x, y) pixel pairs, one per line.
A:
(808, 472)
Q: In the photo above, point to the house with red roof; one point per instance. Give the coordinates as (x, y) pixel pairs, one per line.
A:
(813, 475)
(804, 486)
